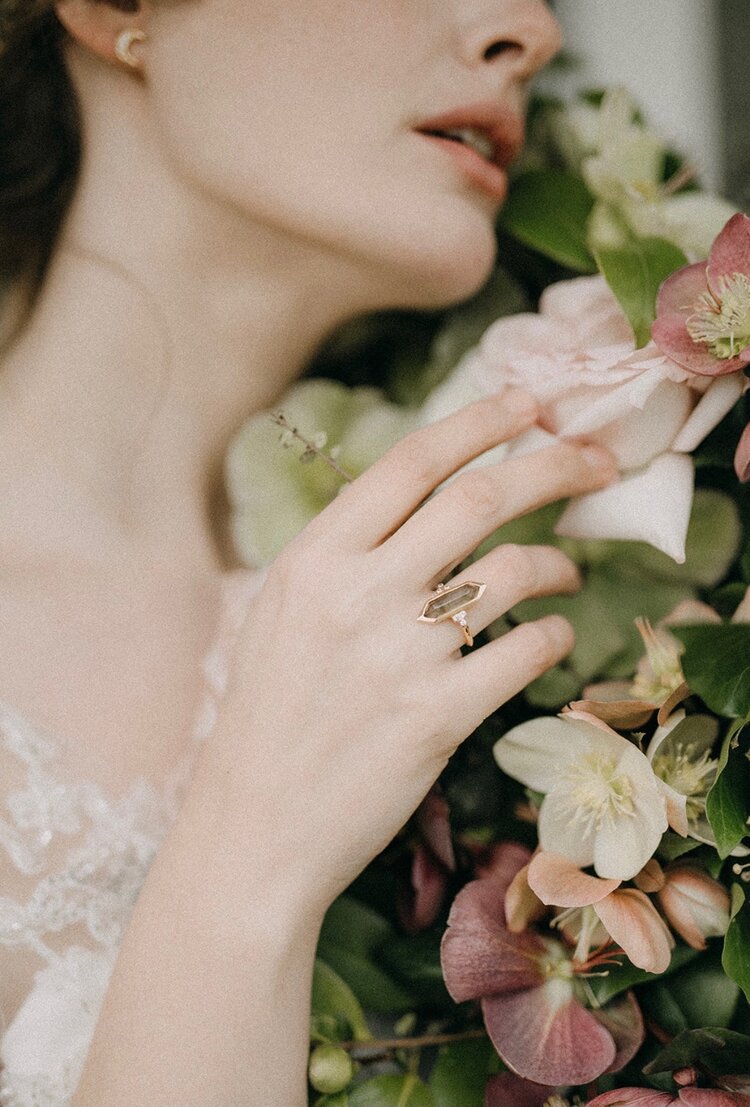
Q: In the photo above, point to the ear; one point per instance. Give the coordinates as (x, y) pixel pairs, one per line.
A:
(96, 24)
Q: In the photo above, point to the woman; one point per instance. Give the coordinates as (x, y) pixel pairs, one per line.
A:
(253, 174)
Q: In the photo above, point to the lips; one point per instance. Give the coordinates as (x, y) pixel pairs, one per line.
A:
(488, 129)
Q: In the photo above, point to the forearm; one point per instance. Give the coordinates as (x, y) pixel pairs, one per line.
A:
(209, 1000)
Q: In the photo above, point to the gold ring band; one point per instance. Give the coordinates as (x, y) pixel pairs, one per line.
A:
(451, 602)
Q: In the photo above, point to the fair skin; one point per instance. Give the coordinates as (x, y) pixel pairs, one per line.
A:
(259, 179)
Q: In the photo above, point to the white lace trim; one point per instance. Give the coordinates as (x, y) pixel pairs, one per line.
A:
(112, 845)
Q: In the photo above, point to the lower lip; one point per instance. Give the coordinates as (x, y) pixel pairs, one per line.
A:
(490, 178)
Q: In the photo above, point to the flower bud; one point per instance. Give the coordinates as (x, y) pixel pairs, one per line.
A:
(695, 904)
(331, 1069)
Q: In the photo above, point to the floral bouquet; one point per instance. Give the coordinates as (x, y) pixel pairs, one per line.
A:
(564, 921)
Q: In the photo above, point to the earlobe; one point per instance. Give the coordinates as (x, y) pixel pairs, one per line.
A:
(107, 31)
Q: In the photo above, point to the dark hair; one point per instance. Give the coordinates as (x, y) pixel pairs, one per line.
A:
(40, 145)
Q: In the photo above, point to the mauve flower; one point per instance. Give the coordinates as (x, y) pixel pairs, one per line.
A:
(419, 897)
(508, 1090)
(695, 904)
(527, 986)
(578, 358)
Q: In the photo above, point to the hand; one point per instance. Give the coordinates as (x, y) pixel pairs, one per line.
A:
(343, 708)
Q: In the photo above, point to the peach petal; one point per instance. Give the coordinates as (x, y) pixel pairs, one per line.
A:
(545, 1035)
(632, 1097)
(712, 1097)
(635, 925)
(620, 714)
(560, 883)
(522, 906)
(503, 862)
(676, 808)
(742, 613)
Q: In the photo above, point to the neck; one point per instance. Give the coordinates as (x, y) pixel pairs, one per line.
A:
(163, 324)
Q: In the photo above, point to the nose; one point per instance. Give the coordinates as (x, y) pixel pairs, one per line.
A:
(520, 35)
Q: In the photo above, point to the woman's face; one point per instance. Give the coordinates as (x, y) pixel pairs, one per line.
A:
(305, 116)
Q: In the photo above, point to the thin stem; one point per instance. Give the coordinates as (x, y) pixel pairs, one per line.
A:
(310, 448)
(385, 1045)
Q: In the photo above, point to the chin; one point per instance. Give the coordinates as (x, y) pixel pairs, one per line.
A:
(448, 266)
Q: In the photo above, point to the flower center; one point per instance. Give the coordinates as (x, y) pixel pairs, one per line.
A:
(599, 794)
(689, 773)
(660, 672)
(722, 321)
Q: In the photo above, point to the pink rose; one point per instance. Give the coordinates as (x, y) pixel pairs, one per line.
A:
(578, 358)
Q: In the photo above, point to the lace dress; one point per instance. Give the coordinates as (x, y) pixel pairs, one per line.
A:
(80, 859)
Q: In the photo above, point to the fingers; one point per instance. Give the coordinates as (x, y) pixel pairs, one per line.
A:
(378, 502)
(512, 574)
(452, 524)
(483, 681)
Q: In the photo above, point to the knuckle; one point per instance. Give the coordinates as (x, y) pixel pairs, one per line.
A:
(413, 458)
(477, 493)
(518, 566)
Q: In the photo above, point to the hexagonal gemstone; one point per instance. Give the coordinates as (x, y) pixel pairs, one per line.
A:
(452, 601)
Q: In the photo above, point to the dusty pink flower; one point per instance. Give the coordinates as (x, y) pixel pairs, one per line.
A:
(578, 358)
(508, 1090)
(695, 904)
(703, 310)
(687, 1097)
(529, 995)
(742, 456)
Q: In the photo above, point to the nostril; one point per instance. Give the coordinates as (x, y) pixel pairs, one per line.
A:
(502, 46)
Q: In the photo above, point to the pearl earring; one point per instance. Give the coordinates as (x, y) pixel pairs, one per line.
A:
(123, 45)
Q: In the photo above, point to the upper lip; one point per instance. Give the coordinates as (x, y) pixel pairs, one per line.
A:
(503, 127)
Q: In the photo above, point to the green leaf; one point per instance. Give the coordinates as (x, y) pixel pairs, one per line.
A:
(392, 1091)
(415, 961)
(461, 1072)
(350, 938)
(673, 846)
(657, 1004)
(704, 993)
(728, 801)
(332, 996)
(722, 1051)
(620, 979)
(735, 960)
(716, 665)
(635, 272)
(548, 210)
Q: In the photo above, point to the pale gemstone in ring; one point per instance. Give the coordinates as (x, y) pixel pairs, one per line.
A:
(451, 603)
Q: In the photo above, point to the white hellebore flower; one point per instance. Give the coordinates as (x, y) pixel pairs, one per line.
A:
(603, 804)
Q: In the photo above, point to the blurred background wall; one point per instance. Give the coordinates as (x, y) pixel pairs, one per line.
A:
(684, 62)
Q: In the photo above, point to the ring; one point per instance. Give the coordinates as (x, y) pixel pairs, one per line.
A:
(452, 603)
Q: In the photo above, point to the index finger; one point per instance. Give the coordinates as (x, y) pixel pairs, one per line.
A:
(385, 495)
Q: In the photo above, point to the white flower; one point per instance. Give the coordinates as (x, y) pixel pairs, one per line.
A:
(603, 805)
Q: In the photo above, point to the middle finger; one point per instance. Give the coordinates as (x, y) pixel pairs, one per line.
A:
(451, 525)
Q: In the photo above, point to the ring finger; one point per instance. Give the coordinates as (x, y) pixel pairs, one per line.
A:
(511, 573)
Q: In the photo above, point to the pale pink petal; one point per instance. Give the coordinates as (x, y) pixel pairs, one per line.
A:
(635, 925)
(680, 291)
(649, 506)
(730, 252)
(528, 443)
(522, 906)
(742, 456)
(503, 861)
(601, 407)
(588, 304)
(508, 1090)
(632, 1097)
(558, 882)
(479, 955)
(718, 399)
(545, 1035)
(623, 1019)
(690, 611)
(580, 715)
(638, 436)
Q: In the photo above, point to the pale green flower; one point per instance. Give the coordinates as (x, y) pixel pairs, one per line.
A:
(272, 493)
